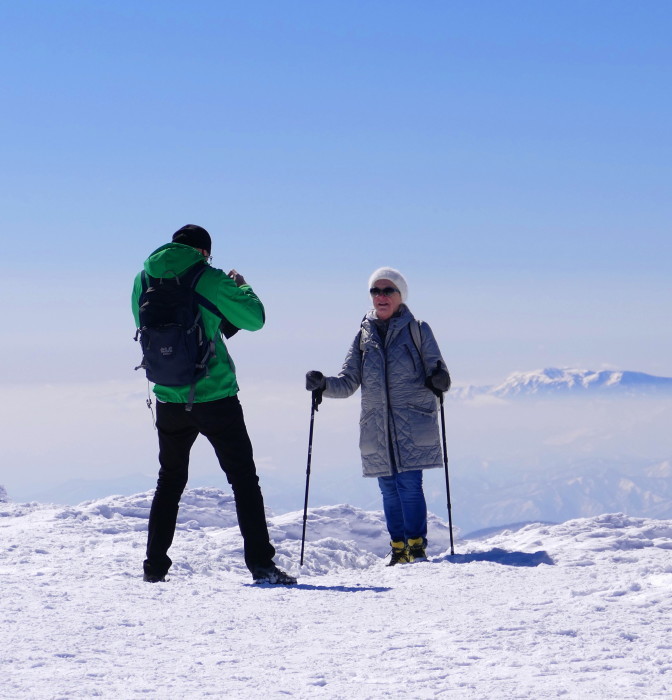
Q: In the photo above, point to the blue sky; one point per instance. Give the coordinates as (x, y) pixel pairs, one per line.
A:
(513, 159)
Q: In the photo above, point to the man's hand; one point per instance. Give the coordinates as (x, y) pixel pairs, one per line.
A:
(237, 278)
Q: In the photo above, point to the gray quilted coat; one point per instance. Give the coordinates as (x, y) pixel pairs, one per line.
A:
(398, 424)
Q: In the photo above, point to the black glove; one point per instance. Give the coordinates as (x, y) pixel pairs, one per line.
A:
(438, 381)
(315, 381)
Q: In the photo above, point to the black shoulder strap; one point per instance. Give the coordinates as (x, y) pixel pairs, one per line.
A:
(193, 274)
(227, 328)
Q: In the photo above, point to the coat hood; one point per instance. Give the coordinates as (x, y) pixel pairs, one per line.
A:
(171, 260)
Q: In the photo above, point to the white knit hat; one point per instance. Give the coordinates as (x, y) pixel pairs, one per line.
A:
(389, 273)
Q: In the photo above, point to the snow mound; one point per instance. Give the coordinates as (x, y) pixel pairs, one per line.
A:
(366, 529)
(199, 507)
(338, 537)
(583, 541)
(208, 540)
(342, 536)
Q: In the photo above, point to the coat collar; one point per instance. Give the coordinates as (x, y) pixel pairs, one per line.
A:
(400, 320)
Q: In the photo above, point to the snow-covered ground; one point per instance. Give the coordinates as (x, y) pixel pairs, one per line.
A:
(576, 610)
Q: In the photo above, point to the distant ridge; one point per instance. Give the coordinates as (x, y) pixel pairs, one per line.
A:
(553, 381)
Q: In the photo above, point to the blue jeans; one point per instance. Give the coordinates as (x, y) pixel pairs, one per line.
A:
(404, 505)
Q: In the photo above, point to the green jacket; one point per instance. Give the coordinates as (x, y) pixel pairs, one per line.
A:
(240, 305)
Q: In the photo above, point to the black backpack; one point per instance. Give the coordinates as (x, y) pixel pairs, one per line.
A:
(175, 349)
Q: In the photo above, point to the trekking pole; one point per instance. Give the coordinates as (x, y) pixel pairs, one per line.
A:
(316, 399)
(445, 466)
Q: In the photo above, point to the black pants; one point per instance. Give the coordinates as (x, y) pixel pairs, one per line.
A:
(223, 425)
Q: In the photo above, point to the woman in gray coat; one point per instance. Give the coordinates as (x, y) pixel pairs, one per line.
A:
(397, 363)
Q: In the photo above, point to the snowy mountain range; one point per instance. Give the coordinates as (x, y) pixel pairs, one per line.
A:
(580, 489)
(554, 382)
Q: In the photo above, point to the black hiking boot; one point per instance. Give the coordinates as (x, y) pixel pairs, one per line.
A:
(272, 576)
(153, 578)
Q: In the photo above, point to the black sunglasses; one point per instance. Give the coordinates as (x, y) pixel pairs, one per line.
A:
(386, 291)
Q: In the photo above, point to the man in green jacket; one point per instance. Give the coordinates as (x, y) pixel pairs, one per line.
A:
(215, 413)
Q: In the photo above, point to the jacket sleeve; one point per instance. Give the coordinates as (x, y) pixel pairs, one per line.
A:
(135, 296)
(350, 376)
(241, 306)
(431, 355)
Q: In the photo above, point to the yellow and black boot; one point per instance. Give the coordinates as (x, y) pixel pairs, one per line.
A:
(399, 554)
(416, 549)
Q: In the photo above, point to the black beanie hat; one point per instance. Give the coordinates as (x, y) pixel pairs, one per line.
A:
(195, 236)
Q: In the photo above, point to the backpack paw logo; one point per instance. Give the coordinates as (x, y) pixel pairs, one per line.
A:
(166, 351)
